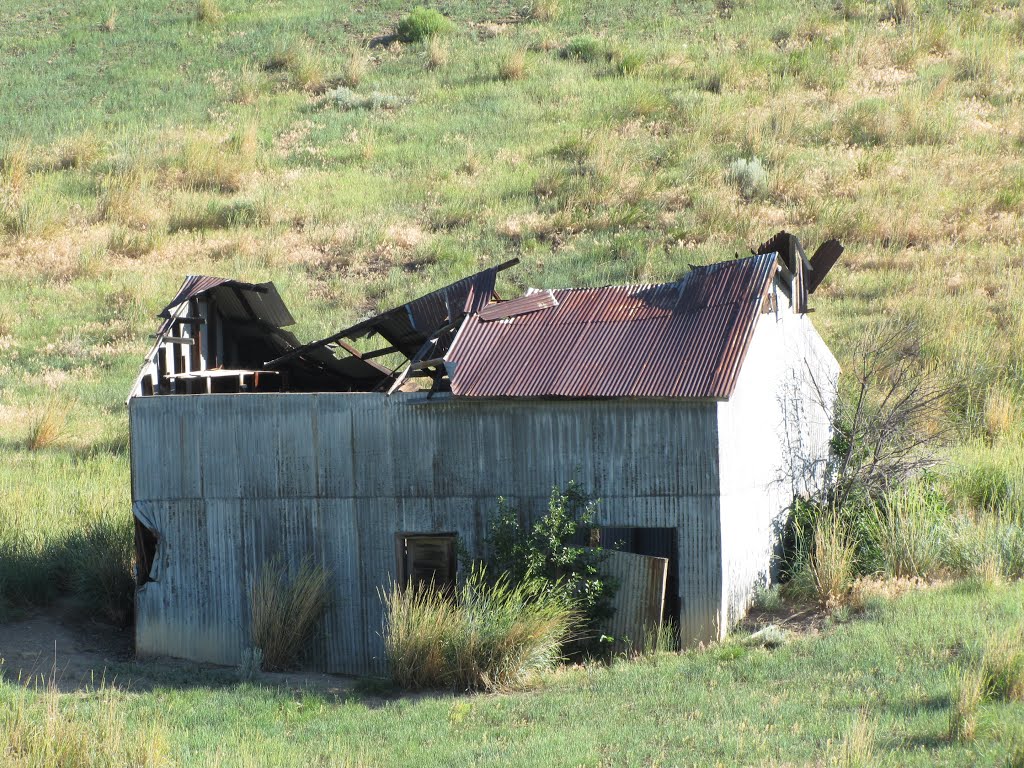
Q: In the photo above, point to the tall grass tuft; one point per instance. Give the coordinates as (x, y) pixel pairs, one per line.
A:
(487, 636)
(43, 731)
(907, 532)
(354, 68)
(545, 10)
(857, 749)
(1002, 664)
(302, 63)
(512, 66)
(830, 559)
(100, 565)
(209, 12)
(285, 610)
(967, 693)
(48, 426)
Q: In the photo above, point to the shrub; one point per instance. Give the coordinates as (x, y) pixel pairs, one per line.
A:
(285, 610)
(422, 23)
(750, 177)
(551, 552)
(488, 636)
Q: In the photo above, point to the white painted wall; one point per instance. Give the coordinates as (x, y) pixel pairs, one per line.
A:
(773, 430)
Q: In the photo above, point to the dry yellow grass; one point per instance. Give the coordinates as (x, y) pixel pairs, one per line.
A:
(48, 425)
(438, 53)
(512, 66)
(285, 610)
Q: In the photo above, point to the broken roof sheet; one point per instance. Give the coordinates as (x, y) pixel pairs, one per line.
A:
(235, 299)
(683, 340)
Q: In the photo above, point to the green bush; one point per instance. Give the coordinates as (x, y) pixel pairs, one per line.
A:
(551, 551)
(100, 570)
(750, 177)
(487, 636)
(421, 24)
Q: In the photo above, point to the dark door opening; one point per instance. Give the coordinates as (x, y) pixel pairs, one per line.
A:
(653, 542)
(425, 559)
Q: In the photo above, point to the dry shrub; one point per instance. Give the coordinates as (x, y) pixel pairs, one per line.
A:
(285, 610)
(483, 637)
(48, 426)
(545, 10)
(209, 12)
(512, 66)
(966, 696)
(49, 731)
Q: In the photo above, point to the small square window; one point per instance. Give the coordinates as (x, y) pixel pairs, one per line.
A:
(425, 558)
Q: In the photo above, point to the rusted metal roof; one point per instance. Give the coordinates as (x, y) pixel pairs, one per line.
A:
(531, 302)
(682, 340)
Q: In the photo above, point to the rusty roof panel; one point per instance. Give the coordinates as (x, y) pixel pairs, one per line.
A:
(683, 340)
(531, 302)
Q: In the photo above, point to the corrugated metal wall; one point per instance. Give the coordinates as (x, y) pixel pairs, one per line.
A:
(774, 435)
(228, 481)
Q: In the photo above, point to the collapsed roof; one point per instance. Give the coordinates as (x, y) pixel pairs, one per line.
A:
(685, 339)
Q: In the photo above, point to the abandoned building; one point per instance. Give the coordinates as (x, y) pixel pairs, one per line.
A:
(692, 409)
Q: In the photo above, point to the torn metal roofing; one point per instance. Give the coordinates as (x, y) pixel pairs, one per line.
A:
(681, 340)
(236, 300)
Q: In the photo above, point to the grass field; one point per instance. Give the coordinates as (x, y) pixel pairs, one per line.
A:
(301, 142)
(872, 691)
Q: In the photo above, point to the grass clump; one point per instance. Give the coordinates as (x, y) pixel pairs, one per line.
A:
(967, 694)
(100, 562)
(437, 53)
(249, 86)
(487, 636)
(354, 68)
(346, 99)
(512, 66)
(133, 243)
(303, 65)
(210, 165)
(545, 10)
(285, 610)
(48, 426)
(209, 12)
(750, 177)
(422, 24)
(587, 49)
(907, 531)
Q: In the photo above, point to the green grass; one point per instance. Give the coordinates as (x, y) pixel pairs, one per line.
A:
(876, 687)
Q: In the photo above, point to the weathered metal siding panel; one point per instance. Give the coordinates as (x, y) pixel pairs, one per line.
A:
(772, 430)
(337, 476)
